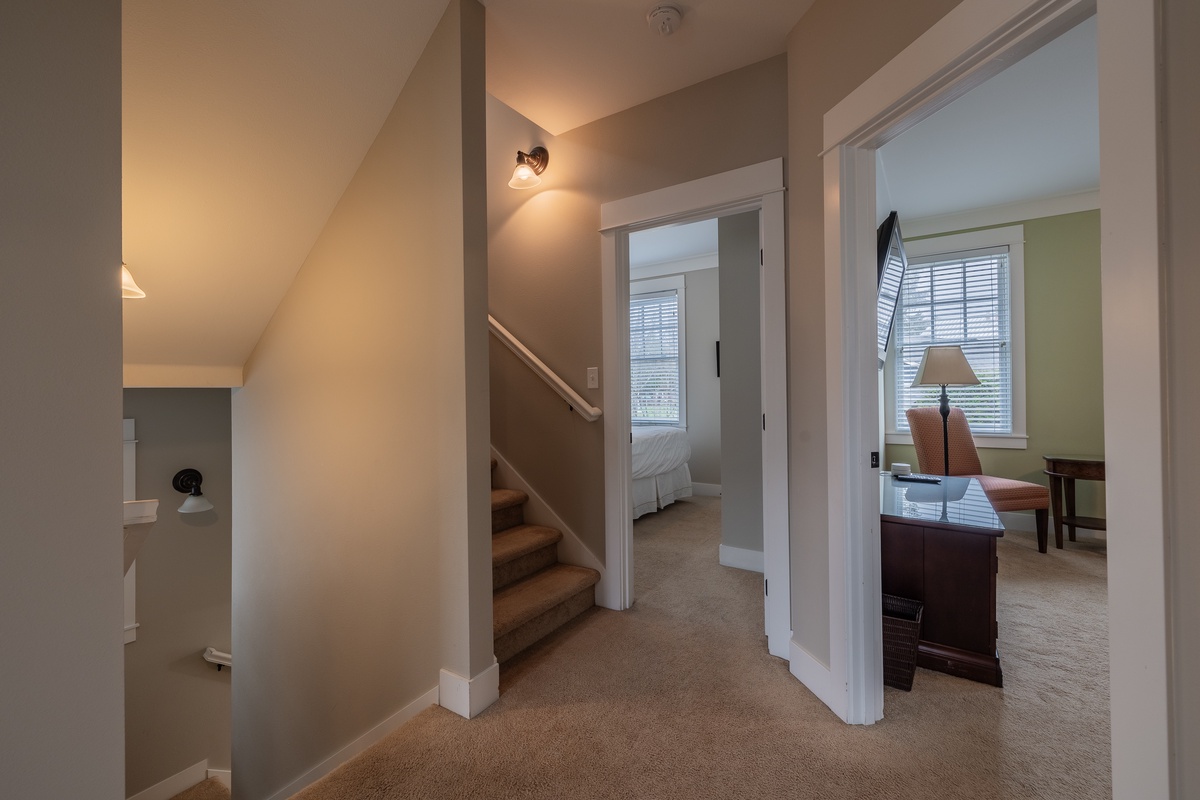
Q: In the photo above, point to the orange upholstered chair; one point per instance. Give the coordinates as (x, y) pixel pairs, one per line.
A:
(1004, 494)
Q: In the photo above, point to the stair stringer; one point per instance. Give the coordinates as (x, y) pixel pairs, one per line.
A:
(571, 550)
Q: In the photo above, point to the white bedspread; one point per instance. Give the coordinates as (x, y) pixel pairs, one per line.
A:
(658, 449)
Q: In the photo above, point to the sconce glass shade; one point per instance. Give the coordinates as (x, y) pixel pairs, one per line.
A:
(188, 482)
(524, 177)
(195, 503)
(129, 288)
(529, 166)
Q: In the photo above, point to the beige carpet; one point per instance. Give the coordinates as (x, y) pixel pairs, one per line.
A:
(677, 698)
(210, 789)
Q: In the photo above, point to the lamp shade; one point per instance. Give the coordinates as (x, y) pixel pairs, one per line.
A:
(945, 365)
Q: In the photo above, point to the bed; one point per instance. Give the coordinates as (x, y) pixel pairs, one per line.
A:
(660, 469)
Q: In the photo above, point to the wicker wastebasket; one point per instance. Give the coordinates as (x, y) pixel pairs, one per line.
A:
(901, 632)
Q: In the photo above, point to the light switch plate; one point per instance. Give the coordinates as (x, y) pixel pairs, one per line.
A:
(593, 379)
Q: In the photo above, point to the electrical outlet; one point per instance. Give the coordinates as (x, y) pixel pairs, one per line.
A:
(593, 379)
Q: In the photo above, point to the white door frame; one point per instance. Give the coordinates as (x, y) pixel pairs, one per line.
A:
(760, 187)
(975, 40)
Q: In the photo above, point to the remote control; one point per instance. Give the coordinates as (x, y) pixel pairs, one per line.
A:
(918, 478)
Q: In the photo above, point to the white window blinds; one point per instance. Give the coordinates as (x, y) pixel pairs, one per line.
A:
(962, 299)
(655, 367)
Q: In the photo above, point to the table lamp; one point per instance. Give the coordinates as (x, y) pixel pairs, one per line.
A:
(945, 365)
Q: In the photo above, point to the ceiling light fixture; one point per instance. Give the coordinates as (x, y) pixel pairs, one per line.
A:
(529, 166)
(664, 19)
(129, 288)
(188, 482)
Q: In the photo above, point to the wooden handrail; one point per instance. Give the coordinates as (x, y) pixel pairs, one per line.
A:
(582, 407)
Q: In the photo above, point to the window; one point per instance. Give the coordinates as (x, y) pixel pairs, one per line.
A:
(966, 290)
(656, 358)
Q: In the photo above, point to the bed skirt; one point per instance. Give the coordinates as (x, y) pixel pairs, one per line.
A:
(659, 491)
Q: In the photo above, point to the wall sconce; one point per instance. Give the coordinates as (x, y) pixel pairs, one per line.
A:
(129, 288)
(188, 482)
(529, 166)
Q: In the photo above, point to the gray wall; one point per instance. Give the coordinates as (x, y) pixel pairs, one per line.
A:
(741, 383)
(1181, 21)
(835, 47)
(703, 386)
(544, 257)
(61, 717)
(361, 542)
(177, 706)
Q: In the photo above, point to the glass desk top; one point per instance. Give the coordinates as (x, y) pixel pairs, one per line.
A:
(958, 502)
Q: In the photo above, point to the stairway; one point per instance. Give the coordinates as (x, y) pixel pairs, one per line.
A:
(532, 593)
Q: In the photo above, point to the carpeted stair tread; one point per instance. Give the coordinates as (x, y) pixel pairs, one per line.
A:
(521, 540)
(537, 594)
(507, 498)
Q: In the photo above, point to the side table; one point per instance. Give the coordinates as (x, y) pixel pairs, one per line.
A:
(1063, 472)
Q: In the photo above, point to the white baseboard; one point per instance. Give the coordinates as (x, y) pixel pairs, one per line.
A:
(1022, 521)
(707, 489)
(740, 558)
(369, 738)
(468, 698)
(571, 550)
(166, 789)
(224, 776)
(818, 679)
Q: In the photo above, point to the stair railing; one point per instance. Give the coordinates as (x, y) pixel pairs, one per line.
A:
(581, 407)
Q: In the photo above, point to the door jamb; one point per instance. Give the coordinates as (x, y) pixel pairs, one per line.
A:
(759, 186)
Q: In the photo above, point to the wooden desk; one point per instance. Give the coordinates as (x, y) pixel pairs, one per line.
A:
(1063, 472)
(938, 545)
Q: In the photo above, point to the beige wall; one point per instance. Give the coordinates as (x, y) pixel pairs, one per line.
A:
(177, 706)
(361, 538)
(1181, 22)
(836, 46)
(1064, 393)
(61, 716)
(544, 257)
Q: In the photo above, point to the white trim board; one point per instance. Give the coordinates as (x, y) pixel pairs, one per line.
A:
(740, 558)
(1003, 214)
(756, 187)
(392, 723)
(468, 697)
(169, 787)
(706, 489)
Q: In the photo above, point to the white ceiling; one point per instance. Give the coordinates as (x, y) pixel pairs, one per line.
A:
(1030, 132)
(245, 121)
(564, 63)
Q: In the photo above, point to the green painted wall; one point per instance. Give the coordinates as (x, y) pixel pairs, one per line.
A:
(1063, 369)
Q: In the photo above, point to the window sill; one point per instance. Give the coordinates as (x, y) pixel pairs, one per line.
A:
(1011, 442)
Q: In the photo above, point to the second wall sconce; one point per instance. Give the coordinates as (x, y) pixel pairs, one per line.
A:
(529, 166)
(129, 288)
(188, 482)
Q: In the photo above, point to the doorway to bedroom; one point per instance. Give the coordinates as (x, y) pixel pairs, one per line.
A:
(695, 380)
(757, 189)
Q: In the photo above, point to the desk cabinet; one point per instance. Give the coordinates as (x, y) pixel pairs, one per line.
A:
(952, 570)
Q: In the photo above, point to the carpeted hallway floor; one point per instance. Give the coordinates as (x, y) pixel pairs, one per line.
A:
(677, 698)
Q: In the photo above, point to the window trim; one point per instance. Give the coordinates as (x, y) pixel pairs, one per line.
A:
(1012, 236)
(676, 283)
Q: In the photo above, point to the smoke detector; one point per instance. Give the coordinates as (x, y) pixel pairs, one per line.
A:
(664, 19)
